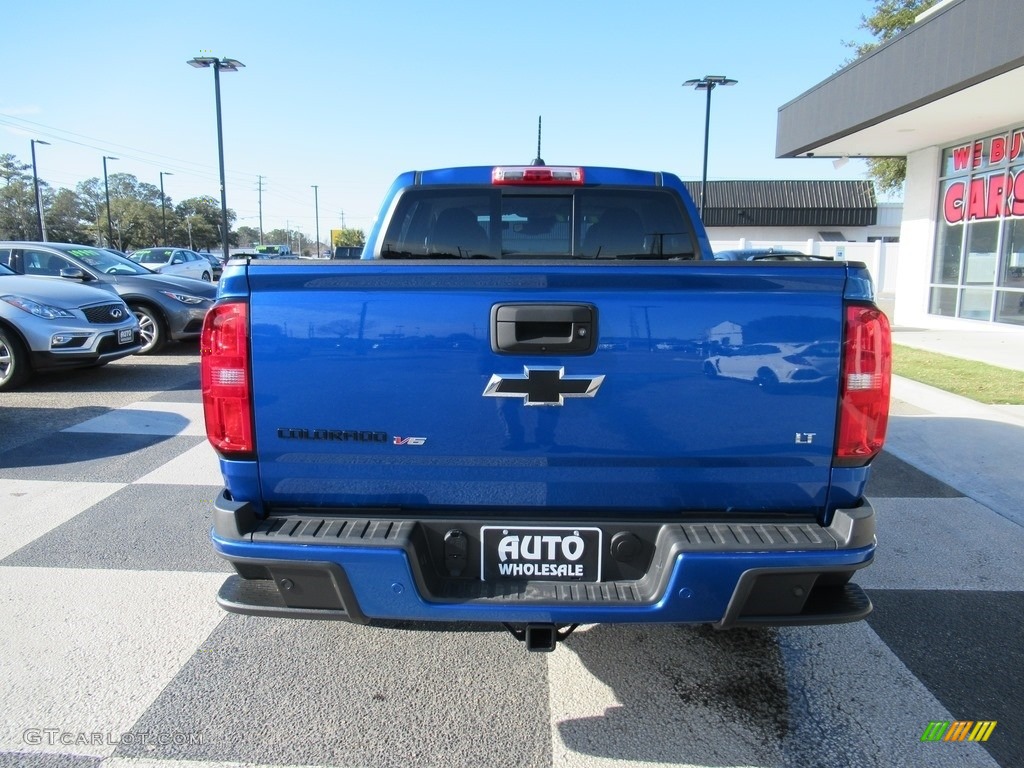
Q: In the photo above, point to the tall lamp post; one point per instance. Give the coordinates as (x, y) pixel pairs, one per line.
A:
(35, 183)
(316, 203)
(106, 191)
(707, 83)
(219, 65)
(163, 208)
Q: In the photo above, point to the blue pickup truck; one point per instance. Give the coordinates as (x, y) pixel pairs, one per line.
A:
(538, 401)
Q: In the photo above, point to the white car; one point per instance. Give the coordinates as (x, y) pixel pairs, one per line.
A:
(175, 261)
(772, 365)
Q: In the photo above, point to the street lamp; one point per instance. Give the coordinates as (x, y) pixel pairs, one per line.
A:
(163, 208)
(316, 202)
(35, 183)
(106, 190)
(219, 65)
(707, 83)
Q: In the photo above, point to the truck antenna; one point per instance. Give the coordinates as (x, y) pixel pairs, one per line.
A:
(537, 160)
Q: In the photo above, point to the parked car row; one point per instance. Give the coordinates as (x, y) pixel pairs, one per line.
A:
(66, 306)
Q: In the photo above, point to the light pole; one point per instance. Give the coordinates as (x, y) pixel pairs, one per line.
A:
(163, 208)
(316, 203)
(707, 83)
(219, 65)
(106, 190)
(35, 183)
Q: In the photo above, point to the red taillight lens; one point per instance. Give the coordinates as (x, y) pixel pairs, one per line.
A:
(864, 388)
(224, 374)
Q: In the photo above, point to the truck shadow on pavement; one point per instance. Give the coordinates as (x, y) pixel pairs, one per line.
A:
(83, 449)
(682, 695)
(128, 377)
(964, 645)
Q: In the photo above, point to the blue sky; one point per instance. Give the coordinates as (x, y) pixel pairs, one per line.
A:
(346, 95)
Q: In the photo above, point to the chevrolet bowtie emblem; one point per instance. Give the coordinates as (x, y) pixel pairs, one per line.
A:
(542, 386)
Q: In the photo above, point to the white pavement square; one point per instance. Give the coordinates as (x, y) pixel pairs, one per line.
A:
(87, 651)
(30, 508)
(196, 466)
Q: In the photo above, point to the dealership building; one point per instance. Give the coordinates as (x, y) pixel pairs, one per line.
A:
(948, 94)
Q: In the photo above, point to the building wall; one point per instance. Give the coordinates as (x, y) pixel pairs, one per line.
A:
(783, 234)
(917, 240)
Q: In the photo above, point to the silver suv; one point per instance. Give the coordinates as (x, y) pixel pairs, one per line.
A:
(168, 307)
(50, 324)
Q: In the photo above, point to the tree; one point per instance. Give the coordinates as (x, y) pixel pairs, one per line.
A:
(198, 221)
(12, 170)
(247, 236)
(280, 237)
(134, 212)
(18, 219)
(136, 223)
(348, 237)
(93, 205)
(67, 218)
(891, 17)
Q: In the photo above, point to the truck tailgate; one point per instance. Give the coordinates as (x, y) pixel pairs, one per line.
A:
(719, 388)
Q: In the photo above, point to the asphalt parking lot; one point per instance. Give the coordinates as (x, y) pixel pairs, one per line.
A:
(116, 654)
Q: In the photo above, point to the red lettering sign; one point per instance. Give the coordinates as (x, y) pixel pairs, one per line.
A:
(976, 200)
(996, 196)
(998, 150)
(953, 204)
(979, 149)
(1016, 148)
(989, 197)
(1017, 206)
(961, 156)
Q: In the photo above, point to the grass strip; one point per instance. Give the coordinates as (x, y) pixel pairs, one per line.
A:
(978, 381)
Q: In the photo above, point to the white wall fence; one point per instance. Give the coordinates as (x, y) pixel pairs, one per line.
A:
(879, 257)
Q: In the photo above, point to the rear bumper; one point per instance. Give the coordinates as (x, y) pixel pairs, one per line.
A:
(366, 569)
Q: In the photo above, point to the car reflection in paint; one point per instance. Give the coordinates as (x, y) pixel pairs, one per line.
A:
(772, 365)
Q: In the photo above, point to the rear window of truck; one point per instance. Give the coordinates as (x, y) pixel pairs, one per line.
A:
(494, 223)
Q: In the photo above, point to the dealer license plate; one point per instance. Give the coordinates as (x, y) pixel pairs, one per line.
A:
(125, 336)
(540, 554)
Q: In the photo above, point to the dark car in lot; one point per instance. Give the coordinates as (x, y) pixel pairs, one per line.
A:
(216, 265)
(347, 252)
(46, 325)
(168, 308)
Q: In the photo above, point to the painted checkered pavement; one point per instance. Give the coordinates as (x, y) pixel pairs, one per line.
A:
(114, 652)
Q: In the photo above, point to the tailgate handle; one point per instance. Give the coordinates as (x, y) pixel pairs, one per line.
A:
(552, 329)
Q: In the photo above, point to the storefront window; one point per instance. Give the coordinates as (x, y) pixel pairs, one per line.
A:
(975, 304)
(1012, 273)
(1010, 307)
(943, 302)
(948, 247)
(980, 265)
(979, 242)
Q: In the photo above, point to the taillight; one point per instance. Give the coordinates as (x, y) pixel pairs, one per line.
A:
(537, 174)
(864, 387)
(224, 374)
